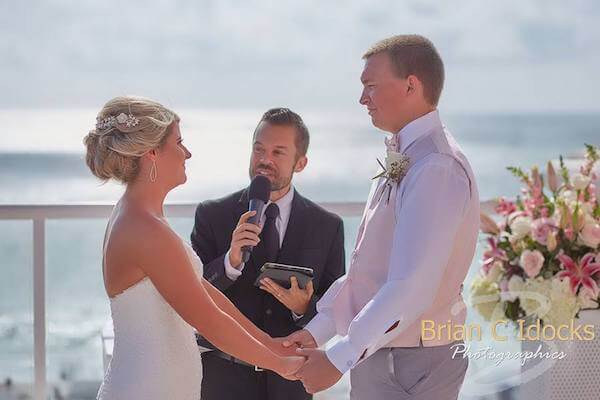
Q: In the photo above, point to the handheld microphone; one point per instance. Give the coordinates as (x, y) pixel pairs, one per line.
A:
(258, 193)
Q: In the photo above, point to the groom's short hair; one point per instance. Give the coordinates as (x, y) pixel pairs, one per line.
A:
(286, 117)
(414, 55)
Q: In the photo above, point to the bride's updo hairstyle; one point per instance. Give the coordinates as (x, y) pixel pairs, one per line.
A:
(127, 127)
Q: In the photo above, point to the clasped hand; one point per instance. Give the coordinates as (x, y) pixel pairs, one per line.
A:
(317, 373)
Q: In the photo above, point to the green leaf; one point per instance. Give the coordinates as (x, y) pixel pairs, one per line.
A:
(575, 219)
(518, 172)
(519, 203)
(591, 153)
(512, 309)
(564, 171)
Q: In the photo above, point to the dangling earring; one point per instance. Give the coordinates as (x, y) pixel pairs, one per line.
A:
(153, 171)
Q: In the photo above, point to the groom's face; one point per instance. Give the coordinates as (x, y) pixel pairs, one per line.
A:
(274, 154)
(384, 93)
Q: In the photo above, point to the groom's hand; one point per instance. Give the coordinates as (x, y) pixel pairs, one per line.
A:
(301, 338)
(317, 373)
(294, 298)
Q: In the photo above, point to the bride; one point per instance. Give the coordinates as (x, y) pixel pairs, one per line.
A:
(152, 277)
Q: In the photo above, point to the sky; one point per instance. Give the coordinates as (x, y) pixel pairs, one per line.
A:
(513, 56)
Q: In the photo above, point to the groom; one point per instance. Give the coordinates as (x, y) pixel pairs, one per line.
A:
(415, 244)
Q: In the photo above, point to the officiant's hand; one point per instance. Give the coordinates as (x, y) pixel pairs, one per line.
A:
(244, 234)
(294, 298)
(317, 373)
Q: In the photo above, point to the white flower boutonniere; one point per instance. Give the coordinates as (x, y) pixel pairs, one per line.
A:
(395, 168)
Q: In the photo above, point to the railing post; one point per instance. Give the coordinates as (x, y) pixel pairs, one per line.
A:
(39, 307)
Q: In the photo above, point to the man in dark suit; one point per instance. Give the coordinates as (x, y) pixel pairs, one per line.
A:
(294, 231)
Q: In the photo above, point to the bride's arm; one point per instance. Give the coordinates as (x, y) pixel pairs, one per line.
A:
(226, 305)
(163, 257)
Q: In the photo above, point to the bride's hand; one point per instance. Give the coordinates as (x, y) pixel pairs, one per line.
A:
(277, 347)
(289, 366)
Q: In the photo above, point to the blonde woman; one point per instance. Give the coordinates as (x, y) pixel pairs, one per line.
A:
(152, 277)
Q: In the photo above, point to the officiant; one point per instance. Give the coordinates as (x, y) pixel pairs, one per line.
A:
(295, 231)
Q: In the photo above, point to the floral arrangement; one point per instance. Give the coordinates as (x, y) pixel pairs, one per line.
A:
(542, 258)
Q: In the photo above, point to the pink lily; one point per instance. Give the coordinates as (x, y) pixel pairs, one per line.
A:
(505, 207)
(580, 274)
(492, 254)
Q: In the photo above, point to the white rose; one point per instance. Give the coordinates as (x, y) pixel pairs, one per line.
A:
(485, 298)
(586, 299)
(536, 297)
(590, 234)
(495, 271)
(520, 227)
(515, 285)
(392, 157)
(580, 182)
(564, 304)
(569, 196)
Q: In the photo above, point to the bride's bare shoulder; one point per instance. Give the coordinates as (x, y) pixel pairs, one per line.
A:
(138, 230)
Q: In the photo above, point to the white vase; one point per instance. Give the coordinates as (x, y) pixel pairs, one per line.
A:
(576, 376)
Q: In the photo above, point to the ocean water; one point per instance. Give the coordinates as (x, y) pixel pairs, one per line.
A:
(41, 161)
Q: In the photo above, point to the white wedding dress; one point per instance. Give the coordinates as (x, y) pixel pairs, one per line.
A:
(155, 354)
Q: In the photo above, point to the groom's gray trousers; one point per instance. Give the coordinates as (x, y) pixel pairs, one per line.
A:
(415, 373)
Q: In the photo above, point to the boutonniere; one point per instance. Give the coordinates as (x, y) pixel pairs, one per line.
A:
(395, 168)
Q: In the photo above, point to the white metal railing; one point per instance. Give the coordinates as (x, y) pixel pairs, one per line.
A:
(39, 214)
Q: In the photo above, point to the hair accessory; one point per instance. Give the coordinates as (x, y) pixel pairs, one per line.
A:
(111, 121)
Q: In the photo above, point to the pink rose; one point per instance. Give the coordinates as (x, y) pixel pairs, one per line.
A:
(541, 228)
(590, 234)
(569, 234)
(532, 262)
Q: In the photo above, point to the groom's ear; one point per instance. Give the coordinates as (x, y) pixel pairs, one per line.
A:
(414, 86)
(300, 164)
(411, 83)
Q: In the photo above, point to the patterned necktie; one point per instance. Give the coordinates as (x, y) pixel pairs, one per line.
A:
(270, 234)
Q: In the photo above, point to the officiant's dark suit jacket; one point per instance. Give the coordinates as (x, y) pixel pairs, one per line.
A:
(314, 238)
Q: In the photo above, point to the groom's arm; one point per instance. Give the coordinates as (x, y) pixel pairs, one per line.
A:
(428, 217)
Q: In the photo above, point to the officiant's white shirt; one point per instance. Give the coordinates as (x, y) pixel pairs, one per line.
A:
(281, 222)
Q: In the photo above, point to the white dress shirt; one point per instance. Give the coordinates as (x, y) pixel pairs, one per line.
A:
(281, 222)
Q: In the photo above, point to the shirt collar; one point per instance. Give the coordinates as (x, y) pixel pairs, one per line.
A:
(418, 128)
(284, 204)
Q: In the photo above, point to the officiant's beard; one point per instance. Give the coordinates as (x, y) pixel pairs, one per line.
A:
(278, 182)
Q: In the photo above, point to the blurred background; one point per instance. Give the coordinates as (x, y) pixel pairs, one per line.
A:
(521, 88)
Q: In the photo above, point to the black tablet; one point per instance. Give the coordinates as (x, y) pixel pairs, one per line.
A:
(281, 274)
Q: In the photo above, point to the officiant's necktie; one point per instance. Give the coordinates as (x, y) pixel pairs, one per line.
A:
(270, 234)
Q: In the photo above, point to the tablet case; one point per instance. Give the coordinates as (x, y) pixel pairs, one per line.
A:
(281, 274)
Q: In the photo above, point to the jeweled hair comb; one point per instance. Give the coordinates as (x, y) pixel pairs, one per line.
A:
(129, 120)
